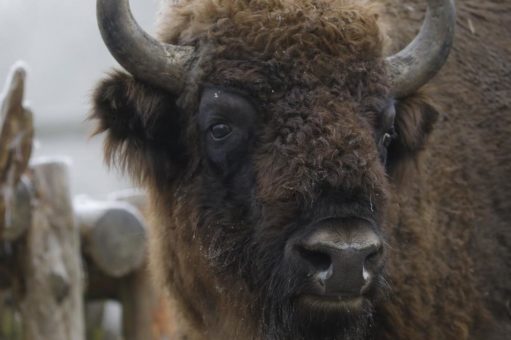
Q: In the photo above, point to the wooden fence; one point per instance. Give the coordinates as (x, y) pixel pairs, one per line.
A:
(60, 256)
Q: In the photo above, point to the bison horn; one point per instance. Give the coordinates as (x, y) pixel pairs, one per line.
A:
(147, 59)
(418, 62)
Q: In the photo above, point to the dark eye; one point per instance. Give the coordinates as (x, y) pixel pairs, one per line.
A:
(387, 138)
(220, 131)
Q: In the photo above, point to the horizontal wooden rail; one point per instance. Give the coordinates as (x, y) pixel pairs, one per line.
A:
(113, 235)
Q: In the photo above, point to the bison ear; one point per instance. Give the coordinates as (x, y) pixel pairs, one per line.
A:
(415, 118)
(142, 126)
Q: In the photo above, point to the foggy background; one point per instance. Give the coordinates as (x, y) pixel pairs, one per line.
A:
(61, 44)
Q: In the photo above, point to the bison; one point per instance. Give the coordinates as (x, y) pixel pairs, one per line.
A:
(308, 183)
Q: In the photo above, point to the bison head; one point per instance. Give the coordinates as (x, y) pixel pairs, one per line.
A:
(266, 133)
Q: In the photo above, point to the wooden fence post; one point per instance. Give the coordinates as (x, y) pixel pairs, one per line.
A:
(146, 311)
(52, 306)
(16, 136)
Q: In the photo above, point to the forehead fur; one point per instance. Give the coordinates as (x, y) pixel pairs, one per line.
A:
(315, 67)
(269, 28)
(271, 46)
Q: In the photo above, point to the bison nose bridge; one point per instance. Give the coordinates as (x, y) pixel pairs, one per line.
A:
(336, 258)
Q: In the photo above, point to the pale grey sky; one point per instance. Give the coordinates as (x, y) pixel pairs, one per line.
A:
(60, 42)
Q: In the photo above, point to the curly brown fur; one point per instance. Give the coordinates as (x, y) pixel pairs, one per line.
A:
(314, 69)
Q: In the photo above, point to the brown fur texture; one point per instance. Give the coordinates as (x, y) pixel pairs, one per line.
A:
(315, 71)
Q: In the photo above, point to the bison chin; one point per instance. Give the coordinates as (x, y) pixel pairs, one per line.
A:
(304, 321)
(291, 316)
(280, 294)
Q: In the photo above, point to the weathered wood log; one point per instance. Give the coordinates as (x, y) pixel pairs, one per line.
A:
(52, 306)
(16, 136)
(146, 311)
(21, 211)
(113, 235)
(12, 242)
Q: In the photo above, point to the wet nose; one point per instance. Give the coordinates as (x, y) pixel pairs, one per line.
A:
(339, 262)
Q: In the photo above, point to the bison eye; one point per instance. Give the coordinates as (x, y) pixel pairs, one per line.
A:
(220, 131)
(387, 138)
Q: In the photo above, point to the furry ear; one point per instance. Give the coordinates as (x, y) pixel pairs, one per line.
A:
(415, 118)
(143, 127)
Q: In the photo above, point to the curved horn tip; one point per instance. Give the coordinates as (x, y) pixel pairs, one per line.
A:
(423, 58)
(146, 58)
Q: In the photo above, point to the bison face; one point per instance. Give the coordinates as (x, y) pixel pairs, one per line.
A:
(273, 205)
(291, 203)
(269, 171)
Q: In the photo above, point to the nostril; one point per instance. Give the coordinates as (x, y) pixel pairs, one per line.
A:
(320, 261)
(374, 255)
